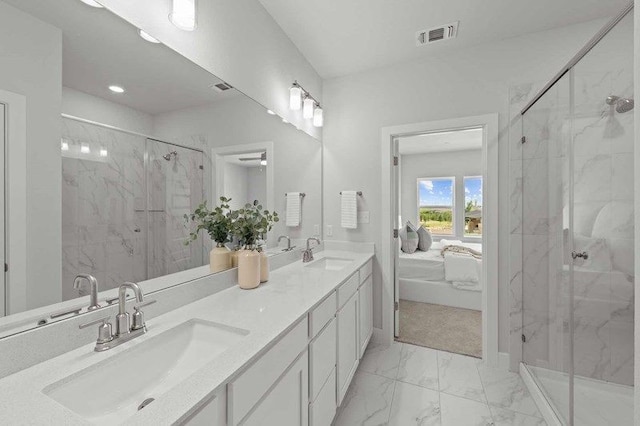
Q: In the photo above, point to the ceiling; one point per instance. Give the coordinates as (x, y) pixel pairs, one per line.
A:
(459, 140)
(100, 49)
(344, 37)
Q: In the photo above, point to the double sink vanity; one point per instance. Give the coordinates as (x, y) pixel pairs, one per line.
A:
(282, 354)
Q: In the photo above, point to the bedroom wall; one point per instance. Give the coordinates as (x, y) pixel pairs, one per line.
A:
(436, 164)
(464, 82)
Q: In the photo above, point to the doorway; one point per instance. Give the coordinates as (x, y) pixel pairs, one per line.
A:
(391, 246)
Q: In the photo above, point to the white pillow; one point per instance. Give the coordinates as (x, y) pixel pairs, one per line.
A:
(424, 239)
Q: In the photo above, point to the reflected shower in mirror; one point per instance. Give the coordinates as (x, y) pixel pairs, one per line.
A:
(125, 137)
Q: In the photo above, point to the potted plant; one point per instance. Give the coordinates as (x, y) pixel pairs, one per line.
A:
(249, 224)
(217, 223)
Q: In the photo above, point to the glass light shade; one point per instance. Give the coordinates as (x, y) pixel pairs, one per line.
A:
(295, 98)
(103, 152)
(92, 3)
(85, 149)
(307, 108)
(148, 37)
(183, 14)
(318, 119)
(64, 145)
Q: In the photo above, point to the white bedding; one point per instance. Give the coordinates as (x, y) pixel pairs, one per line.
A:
(461, 271)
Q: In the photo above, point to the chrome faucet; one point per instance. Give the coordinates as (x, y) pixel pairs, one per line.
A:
(289, 248)
(122, 319)
(307, 255)
(125, 330)
(93, 288)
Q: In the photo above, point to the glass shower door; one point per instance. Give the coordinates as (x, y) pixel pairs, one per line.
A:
(174, 188)
(546, 275)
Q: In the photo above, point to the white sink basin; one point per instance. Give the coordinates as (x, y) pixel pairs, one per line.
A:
(330, 263)
(111, 391)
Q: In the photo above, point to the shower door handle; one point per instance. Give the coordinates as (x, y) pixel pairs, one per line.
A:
(583, 255)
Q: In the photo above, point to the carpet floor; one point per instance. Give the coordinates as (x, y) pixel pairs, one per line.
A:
(441, 327)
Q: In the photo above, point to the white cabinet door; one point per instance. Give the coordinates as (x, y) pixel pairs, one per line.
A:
(322, 359)
(212, 413)
(287, 403)
(365, 300)
(348, 345)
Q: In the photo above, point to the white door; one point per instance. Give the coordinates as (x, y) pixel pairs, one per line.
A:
(3, 133)
(395, 211)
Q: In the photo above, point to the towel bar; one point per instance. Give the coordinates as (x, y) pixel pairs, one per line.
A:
(302, 194)
(359, 193)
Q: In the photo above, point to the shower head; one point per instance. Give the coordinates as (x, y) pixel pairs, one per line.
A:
(622, 105)
(169, 155)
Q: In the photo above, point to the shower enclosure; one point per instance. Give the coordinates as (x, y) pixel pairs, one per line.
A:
(577, 234)
(124, 197)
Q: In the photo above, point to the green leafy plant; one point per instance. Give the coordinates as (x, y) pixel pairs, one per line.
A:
(251, 223)
(216, 222)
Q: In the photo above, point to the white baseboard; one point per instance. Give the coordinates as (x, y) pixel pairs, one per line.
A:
(538, 397)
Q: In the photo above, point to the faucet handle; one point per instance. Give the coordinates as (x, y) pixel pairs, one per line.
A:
(138, 315)
(104, 330)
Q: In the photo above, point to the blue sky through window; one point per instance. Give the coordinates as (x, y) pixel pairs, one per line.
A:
(436, 192)
(473, 190)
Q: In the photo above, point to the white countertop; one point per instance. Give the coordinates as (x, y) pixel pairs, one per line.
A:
(267, 312)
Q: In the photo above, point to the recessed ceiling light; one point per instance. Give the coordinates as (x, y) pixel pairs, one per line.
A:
(92, 3)
(284, 120)
(116, 89)
(148, 37)
(270, 112)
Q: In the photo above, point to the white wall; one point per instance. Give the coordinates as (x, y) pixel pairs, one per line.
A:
(89, 107)
(297, 158)
(466, 82)
(437, 164)
(239, 42)
(236, 185)
(31, 65)
(256, 183)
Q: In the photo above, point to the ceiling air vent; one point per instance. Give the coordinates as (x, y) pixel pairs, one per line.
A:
(221, 87)
(437, 34)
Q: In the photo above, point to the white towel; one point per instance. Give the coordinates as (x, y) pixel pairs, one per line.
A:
(349, 206)
(462, 268)
(294, 212)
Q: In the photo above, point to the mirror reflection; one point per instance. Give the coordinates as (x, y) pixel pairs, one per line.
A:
(133, 138)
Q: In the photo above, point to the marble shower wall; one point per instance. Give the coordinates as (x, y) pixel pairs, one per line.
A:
(104, 206)
(545, 223)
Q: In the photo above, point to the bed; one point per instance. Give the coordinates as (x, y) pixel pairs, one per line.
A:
(422, 278)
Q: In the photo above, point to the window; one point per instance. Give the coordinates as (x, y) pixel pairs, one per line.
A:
(436, 205)
(473, 206)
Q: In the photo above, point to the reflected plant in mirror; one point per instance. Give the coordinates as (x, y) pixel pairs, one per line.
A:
(249, 225)
(217, 223)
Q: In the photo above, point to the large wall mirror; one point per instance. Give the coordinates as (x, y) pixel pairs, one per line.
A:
(109, 139)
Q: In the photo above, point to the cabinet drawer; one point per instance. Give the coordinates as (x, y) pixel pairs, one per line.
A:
(322, 358)
(323, 409)
(322, 314)
(245, 391)
(348, 289)
(366, 270)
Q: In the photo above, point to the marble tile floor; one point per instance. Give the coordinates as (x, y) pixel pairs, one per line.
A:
(403, 384)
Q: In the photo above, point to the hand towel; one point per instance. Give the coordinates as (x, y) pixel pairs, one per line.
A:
(294, 212)
(349, 204)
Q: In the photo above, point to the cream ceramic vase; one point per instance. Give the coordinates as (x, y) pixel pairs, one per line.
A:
(234, 259)
(219, 259)
(248, 269)
(264, 267)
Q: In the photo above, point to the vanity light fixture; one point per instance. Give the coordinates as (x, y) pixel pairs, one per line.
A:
(270, 112)
(295, 96)
(92, 3)
(307, 107)
(85, 149)
(298, 97)
(64, 145)
(318, 119)
(103, 152)
(116, 89)
(183, 14)
(146, 36)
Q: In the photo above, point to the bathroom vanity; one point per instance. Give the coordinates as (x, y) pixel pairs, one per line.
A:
(283, 354)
